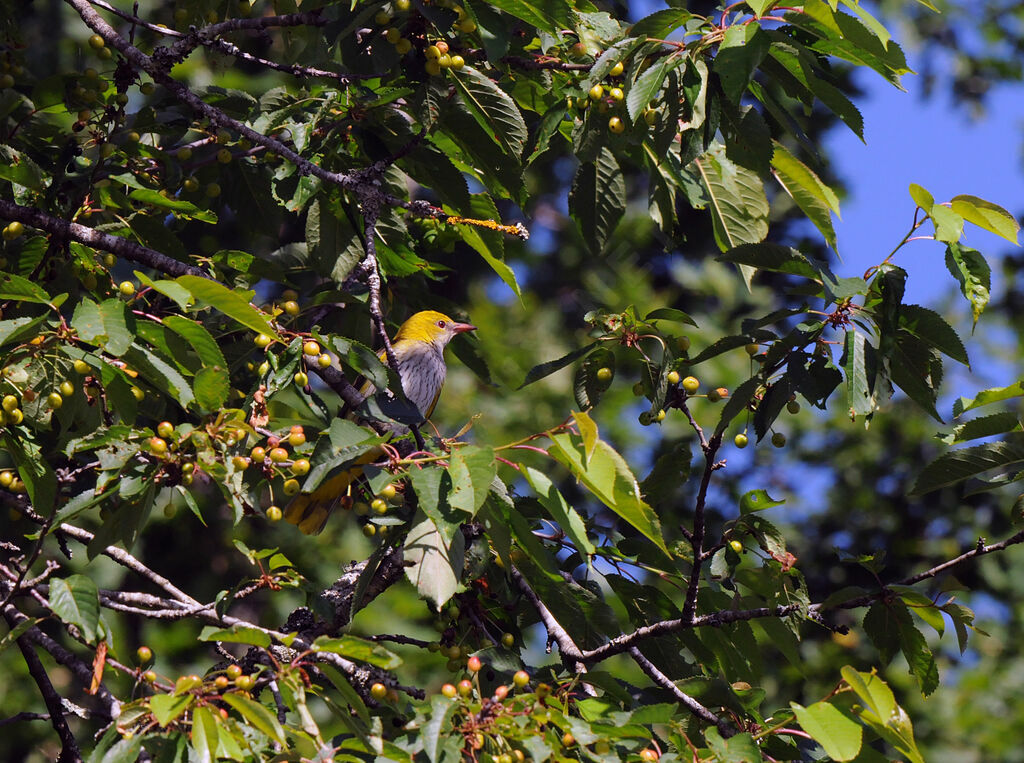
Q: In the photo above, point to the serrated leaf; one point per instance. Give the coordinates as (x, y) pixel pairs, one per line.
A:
(739, 207)
(489, 244)
(660, 24)
(257, 715)
(949, 226)
(774, 257)
(182, 208)
(236, 634)
(984, 426)
(987, 397)
(932, 328)
(21, 289)
(107, 325)
(965, 463)
(202, 342)
(432, 563)
(597, 199)
(437, 729)
(211, 387)
(228, 302)
(76, 600)
(359, 649)
(588, 387)
(643, 91)
(167, 707)
(472, 469)
(17, 632)
(757, 500)
(204, 735)
(986, 215)
(813, 196)
(160, 373)
(566, 517)
(741, 51)
(837, 733)
(493, 109)
(607, 475)
(549, 367)
(859, 398)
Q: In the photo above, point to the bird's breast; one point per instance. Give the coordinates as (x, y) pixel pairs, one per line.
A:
(422, 370)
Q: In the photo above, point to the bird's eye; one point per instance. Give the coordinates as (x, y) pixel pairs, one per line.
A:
(441, 324)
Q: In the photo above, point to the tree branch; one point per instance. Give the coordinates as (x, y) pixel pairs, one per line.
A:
(689, 702)
(122, 247)
(69, 752)
(566, 646)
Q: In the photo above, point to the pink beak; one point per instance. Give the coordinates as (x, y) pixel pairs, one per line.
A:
(462, 328)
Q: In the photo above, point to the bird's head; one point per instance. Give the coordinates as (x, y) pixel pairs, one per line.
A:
(433, 327)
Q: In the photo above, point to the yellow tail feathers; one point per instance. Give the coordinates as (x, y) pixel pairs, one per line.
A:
(309, 511)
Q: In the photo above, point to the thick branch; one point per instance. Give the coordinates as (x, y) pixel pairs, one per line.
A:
(81, 671)
(69, 745)
(122, 247)
(566, 645)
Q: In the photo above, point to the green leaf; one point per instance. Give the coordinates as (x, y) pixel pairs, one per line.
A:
(17, 632)
(566, 517)
(107, 325)
(774, 257)
(986, 215)
(547, 368)
(168, 707)
(917, 370)
(438, 728)
(882, 714)
(660, 24)
(608, 477)
(740, 748)
(987, 397)
(889, 625)
(488, 244)
(204, 735)
(757, 500)
(838, 735)
(433, 564)
(814, 197)
(236, 634)
(984, 426)
(202, 342)
(965, 463)
(76, 600)
(740, 53)
(472, 469)
(550, 15)
(932, 328)
(169, 289)
(588, 388)
(669, 314)
(211, 387)
(20, 329)
(160, 373)
(597, 199)
(949, 226)
(646, 87)
(859, 397)
(493, 109)
(21, 289)
(228, 302)
(359, 649)
(922, 197)
(257, 715)
(739, 207)
(182, 208)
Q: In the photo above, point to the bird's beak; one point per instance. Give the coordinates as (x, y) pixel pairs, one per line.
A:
(462, 328)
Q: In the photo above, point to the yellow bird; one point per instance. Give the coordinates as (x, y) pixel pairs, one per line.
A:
(419, 349)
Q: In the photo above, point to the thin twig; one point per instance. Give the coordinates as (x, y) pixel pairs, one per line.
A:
(691, 704)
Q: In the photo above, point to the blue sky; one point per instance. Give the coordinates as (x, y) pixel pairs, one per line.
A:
(935, 143)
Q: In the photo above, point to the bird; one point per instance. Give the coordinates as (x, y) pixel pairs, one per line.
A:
(419, 350)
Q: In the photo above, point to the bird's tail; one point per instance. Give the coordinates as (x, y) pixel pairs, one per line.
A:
(309, 511)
